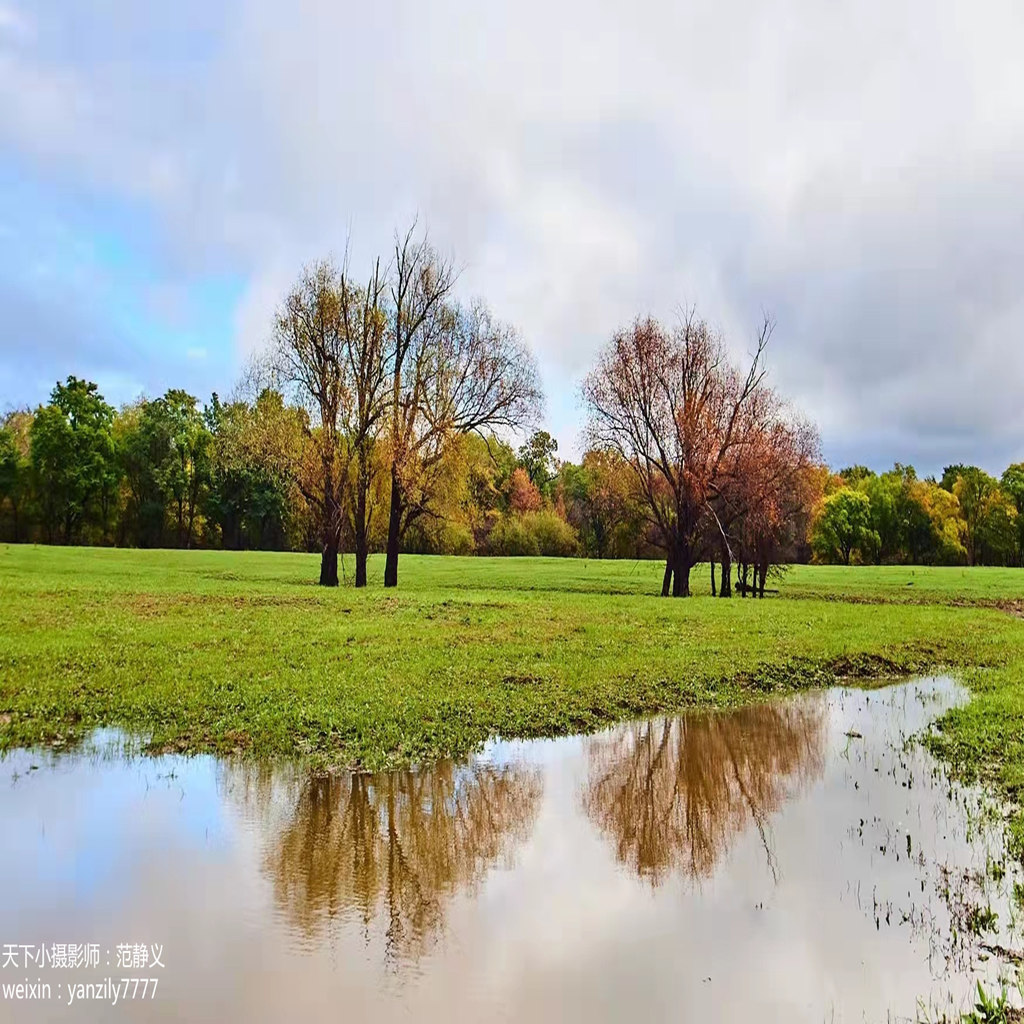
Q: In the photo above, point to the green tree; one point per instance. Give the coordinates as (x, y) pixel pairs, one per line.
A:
(255, 452)
(898, 515)
(950, 475)
(842, 526)
(186, 470)
(1013, 484)
(601, 504)
(143, 438)
(947, 524)
(998, 529)
(973, 488)
(15, 483)
(854, 475)
(73, 458)
(537, 457)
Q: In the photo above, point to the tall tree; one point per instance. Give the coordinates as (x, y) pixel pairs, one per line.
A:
(973, 488)
(15, 485)
(420, 283)
(309, 355)
(186, 471)
(537, 457)
(842, 526)
(72, 455)
(366, 349)
(672, 405)
(455, 370)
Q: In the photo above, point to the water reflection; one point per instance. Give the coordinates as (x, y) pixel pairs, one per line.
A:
(391, 847)
(672, 794)
(543, 881)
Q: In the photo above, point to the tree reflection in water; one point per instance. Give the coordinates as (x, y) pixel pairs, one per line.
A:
(672, 794)
(390, 849)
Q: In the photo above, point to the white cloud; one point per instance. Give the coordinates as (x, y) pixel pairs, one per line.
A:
(852, 167)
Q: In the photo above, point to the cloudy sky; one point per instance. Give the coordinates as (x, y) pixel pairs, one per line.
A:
(855, 168)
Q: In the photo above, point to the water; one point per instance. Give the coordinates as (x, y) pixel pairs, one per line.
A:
(795, 861)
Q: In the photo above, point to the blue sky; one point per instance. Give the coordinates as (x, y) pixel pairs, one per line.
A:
(855, 169)
(89, 291)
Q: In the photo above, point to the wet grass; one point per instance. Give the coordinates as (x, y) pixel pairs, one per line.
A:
(201, 651)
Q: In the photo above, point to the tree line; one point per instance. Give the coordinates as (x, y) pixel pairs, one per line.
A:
(966, 517)
(380, 418)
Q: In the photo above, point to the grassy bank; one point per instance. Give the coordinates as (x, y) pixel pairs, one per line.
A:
(221, 650)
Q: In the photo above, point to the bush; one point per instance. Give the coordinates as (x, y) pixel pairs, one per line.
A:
(440, 537)
(536, 533)
(511, 536)
(553, 534)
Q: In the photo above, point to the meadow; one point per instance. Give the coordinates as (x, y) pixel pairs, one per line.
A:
(241, 651)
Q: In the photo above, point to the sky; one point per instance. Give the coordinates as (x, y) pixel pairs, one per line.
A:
(855, 169)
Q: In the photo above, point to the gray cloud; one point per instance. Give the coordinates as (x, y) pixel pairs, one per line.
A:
(854, 168)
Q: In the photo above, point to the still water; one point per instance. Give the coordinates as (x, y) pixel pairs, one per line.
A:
(795, 861)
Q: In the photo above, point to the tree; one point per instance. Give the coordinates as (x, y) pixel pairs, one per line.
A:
(72, 456)
(998, 529)
(767, 488)
(842, 525)
(537, 457)
(523, 495)
(948, 525)
(601, 502)
(14, 464)
(309, 355)
(421, 281)
(364, 328)
(671, 405)
(185, 474)
(951, 474)
(1013, 484)
(252, 498)
(454, 370)
(852, 476)
(973, 488)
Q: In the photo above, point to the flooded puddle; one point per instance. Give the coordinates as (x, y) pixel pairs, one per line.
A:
(795, 861)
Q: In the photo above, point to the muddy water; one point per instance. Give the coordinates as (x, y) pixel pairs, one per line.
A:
(789, 862)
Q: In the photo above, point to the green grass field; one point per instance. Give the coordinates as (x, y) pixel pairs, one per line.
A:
(222, 650)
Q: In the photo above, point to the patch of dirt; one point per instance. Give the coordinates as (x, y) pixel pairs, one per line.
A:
(1015, 608)
(149, 606)
(522, 680)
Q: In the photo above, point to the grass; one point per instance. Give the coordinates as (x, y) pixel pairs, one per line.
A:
(198, 651)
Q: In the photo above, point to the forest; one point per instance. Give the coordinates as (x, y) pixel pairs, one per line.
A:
(382, 416)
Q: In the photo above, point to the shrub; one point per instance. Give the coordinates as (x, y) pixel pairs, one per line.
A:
(536, 533)
(553, 534)
(511, 536)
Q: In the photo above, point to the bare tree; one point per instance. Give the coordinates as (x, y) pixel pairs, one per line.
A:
(672, 405)
(366, 349)
(456, 370)
(420, 282)
(308, 353)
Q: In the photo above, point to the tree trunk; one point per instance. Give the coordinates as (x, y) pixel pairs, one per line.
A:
(681, 582)
(329, 563)
(361, 557)
(764, 574)
(726, 589)
(361, 539)
(666, 582)
(394, 532)
(714, 593)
